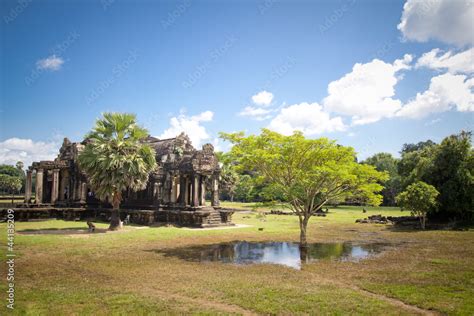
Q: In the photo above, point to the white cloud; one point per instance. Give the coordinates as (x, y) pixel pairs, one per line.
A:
(366, 93)
(263, 98)
(308, 118)
(433, 122)
(256, 113)
(445, 20)
(51, 63)
(27, 151)
(446, 91)
(191, 125)
(462, 62)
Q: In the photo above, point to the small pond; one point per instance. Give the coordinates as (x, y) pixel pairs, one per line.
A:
(284, 253)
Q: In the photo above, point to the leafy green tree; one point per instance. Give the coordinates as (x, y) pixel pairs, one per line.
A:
(11, 171)
(309, 172)
(416, 147)
(245, 189)
(19, 165)
(114, 159)
(415, 164)
(419, 198)
(229, 177)
(11, 184)
(452, 173)
(386, 162)
(449, 167)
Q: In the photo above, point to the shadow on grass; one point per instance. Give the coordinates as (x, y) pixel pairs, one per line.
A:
(61, 231)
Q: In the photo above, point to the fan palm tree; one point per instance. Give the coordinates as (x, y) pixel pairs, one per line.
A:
(114, 159)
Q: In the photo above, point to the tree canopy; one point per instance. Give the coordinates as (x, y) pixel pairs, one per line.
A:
(114, 158)
(392, 186)
(419, 198)
(449, 167)
(308, 172)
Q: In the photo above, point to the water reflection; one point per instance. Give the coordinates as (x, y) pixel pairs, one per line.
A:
(284, 253)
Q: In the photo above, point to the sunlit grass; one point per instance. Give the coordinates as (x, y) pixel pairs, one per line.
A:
(124, 272)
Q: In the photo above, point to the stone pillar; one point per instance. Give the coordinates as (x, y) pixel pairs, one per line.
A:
(215, 191)
(166, 188)
(63, 184)
(195, 196)
(39, 186)
(55, 186)
(173, 190)
(83, 192)
(77, 189)
(186, 192)
(182, 191)
(28, 186)
(203, 190)
(156, 192)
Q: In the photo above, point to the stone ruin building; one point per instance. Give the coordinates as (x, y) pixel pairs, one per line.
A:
(176, 190)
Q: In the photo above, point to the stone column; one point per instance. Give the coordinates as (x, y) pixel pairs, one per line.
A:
(186, 192)
(55, 186)
(166, 188)
(173, 190)
(77, 189)
(203, 190)
(83, 192)
(39, 186)
(195, 197)
(156, 192)
(28, 186)
(63, 184)
(215, 191)
(182, 191)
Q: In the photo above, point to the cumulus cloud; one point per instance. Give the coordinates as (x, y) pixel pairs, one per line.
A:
(462, 62)
(191, 125)
(27, 151)
(309, 118)
(263, 98)
(51, 63)
(445, 92)
(256, 113)
(444, 20)
(366, 93)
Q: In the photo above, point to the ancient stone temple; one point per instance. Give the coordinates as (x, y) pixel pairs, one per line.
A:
(176, 191)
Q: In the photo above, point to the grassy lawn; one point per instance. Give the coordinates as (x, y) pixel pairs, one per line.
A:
(63, 272)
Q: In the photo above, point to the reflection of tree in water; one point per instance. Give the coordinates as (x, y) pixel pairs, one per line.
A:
(324, 251)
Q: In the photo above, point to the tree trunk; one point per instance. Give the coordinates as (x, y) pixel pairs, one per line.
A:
(303, 226)
(115, 223)
(423, 221)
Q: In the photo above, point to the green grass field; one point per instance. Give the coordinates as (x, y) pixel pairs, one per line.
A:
(60, 272)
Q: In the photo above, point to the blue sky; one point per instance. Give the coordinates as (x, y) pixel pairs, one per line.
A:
(195, 66)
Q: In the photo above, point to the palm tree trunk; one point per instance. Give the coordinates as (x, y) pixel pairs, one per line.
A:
(115, 223)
